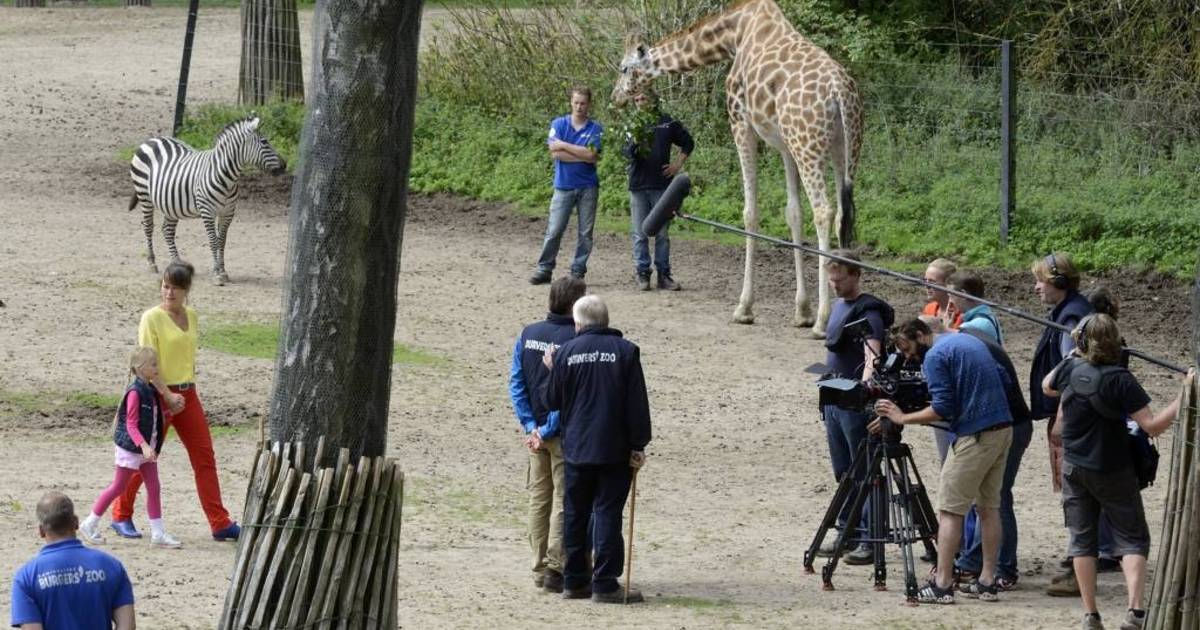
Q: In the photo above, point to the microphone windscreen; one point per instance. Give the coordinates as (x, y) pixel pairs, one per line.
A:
(670, 202)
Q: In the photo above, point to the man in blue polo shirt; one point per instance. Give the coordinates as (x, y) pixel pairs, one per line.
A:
(966, 388)
(574, 143)
(67, 586)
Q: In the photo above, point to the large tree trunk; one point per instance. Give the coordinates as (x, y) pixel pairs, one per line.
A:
(270, 68)
(334, 364)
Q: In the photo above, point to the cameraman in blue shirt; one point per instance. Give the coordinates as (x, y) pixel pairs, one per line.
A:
(68, 586)
(966, 388)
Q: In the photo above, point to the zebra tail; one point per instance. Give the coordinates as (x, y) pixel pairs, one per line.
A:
(133, 201)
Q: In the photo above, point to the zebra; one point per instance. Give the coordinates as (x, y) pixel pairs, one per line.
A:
(184, 183)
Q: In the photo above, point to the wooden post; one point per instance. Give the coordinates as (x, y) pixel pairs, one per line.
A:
(1008, 133)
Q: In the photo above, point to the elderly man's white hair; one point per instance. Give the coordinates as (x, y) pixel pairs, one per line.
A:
(590, 310)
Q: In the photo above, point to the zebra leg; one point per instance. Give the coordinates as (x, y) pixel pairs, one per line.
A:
(210, 226)
(148, 228)
(169, 235)
(223, 222)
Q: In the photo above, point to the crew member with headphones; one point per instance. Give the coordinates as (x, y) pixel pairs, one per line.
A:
(1056, 282)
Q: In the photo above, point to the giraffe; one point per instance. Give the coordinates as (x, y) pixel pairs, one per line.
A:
(786, 91)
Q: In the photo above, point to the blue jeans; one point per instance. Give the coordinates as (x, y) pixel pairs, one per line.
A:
(845, 430)
(971, 557)
(560, 214)
(640, 204)
(596, 493)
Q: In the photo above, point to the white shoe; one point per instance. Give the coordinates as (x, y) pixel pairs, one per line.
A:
(165, 540)
(91, 533)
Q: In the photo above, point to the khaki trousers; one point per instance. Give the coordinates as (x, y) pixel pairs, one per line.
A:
(545, 484)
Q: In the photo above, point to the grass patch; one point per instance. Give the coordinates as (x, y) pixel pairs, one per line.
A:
(425, 497)
(260, 341)
(699, 604)
(49, 402)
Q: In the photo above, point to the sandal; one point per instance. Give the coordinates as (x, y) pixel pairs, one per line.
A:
(931, 593)
(1005, 584)
(978, 590)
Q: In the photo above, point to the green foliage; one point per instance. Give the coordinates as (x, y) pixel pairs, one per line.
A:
(260, 341)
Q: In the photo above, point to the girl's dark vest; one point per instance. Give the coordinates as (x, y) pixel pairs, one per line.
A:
(150, 418)
(1048, 354)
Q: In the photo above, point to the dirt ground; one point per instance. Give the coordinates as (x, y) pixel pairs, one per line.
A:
(738, 473)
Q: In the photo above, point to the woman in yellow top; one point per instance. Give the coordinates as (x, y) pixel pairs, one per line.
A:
(170, 328)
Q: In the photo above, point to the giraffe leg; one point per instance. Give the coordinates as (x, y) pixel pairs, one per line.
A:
(803, 317)
(168, 228)
(813, 177)
(210, 227)
(747, 147)
(148, 228)
(223, 222)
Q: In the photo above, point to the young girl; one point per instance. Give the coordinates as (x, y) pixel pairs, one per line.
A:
(138, 433)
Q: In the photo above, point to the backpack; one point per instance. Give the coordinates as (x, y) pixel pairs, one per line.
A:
(1085, 381)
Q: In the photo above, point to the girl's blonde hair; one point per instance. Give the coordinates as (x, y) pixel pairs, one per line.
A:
(140, 356)
(1098, 339)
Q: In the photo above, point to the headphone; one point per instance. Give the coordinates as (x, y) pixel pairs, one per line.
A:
(1056, 279)
(1079, 335)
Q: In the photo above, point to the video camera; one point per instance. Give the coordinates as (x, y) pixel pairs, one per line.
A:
(894, 379)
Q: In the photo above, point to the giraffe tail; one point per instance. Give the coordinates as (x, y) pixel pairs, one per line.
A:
(846, 201)
(851, 138)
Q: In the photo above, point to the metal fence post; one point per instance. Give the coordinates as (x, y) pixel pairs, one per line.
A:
(181, 93)
(1008, 88)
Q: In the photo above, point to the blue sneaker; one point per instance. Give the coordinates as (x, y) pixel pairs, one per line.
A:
(125, 529)
(230, 533)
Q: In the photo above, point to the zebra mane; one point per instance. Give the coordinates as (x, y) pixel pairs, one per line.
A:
(234, 127)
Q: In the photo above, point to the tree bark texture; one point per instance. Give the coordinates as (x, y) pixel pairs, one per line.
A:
(270, 65)
(137, 3)
(334, 363)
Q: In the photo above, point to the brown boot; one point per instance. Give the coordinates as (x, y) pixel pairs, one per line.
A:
(1063, 585)
(552, 581)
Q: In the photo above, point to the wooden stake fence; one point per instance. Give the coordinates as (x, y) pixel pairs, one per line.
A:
(1173, 592)
(319, 547)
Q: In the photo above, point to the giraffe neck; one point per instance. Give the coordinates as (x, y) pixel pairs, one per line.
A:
(711, 40)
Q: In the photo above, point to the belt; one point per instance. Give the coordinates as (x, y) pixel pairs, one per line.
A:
(182, 386)
(996, 427)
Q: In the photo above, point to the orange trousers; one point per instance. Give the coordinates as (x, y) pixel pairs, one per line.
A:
(191, 425)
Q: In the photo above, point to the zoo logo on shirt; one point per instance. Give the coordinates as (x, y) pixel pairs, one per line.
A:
(592, 357)
(69, 577)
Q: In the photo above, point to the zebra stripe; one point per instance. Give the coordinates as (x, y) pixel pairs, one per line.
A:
(182, 183)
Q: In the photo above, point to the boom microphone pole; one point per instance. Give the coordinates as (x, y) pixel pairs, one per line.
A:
(671, 202)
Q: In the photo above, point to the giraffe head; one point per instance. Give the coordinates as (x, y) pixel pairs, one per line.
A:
(636, 71)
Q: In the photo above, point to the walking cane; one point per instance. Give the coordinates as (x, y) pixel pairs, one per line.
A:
(629, 538)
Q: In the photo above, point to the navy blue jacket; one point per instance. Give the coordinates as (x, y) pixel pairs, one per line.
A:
(645, 173)
(150, 417)
(598, 387)
(528, 374)
(1049, 353)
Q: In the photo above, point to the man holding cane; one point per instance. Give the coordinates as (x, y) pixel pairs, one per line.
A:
(597, 386)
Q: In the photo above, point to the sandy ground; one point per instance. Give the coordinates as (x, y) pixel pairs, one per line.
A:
(738, 471)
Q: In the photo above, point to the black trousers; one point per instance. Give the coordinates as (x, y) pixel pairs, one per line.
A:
(598, 491)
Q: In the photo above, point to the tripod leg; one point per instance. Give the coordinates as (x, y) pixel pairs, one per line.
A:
(881, 507)
(925, 517)
(840, 498)
(866, 460)
(905, 507)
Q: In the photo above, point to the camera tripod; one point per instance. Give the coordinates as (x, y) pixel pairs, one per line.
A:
(900, 511)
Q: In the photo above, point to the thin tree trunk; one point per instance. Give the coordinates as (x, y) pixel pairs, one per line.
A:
(270, 66)
(29, 3)
(137, 3)
(334, 363)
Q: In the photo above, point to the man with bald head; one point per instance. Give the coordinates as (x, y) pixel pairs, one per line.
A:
(68, 586)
